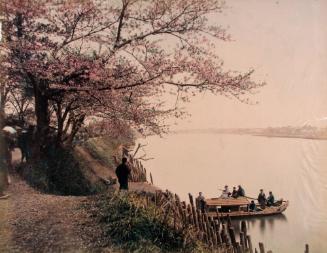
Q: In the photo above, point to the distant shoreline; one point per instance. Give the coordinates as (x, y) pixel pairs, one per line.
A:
(263, 134)
(291, 137)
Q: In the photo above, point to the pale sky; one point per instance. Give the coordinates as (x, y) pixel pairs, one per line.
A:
(285, 41)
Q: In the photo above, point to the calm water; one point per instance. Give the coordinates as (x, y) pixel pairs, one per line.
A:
(294, 169)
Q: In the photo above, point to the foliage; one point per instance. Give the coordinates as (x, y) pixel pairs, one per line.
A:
(134, 228)
(114, 60)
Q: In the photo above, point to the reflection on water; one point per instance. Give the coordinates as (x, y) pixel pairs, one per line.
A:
(293, 169)
(264, 223)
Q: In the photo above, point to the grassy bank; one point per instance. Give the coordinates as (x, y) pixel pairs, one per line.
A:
(105, 148)
(130, 223)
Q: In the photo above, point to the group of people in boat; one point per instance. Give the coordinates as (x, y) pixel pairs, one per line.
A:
(263, 201)
(234, 194)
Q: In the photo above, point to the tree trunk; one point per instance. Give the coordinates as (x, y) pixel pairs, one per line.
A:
(2, 105)
(42, 119)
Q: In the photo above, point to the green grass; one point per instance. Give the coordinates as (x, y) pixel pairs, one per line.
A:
(130, 227)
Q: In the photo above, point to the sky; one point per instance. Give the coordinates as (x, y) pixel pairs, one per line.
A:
(285, 42)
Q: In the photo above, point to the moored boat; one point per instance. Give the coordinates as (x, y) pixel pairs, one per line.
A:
(239, 207)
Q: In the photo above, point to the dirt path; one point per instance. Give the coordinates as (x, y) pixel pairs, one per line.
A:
(34, 222)
(5, 234)
(47, 223)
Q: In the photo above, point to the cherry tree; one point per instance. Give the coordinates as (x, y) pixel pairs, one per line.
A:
(112, 60)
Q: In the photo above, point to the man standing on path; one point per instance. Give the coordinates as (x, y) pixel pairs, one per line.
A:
(122, 173)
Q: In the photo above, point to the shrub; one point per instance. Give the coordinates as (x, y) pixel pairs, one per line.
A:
(127, 223)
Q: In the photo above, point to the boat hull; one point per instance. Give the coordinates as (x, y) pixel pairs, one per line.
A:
(273, 210)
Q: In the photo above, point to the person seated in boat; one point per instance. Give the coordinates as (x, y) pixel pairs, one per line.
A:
(225, 194)
(200, 202)
(240, 191)
(234, 193)
(252, 206)
(270, 199)
(262, 199)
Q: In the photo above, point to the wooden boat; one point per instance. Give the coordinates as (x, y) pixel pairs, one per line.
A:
(239, 207)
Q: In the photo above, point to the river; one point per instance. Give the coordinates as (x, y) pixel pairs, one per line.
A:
(294, 169)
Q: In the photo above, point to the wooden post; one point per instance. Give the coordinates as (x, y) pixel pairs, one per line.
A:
(217, 215)
(205, 226)
(306, 248)
(248, 237)
(146, 179)
(198, 215)
(244, 230)
(214, 237)
(229, 221)
(238, 248)
(193, 211)
(208, 226)
(179, 205)
(190, 216)
(225, 234)
(242, 241)
(243, 227)
(217, 233)
(151, 178)
(185, 218)
(205, 236)
(261, 247)
(232, 235)
(143, 172)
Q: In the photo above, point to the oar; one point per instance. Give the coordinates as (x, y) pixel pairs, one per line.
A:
(250, 198)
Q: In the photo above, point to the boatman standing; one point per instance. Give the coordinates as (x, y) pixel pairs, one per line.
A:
(262, 199)
(122, 173)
